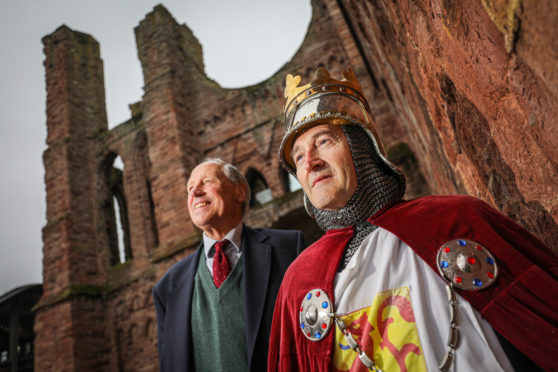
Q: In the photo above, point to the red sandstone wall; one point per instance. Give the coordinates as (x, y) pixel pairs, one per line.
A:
(478, 118)
(93, 308)
(476, 96)
(75, 116)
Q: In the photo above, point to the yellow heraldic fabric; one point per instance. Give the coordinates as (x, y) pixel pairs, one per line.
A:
(386, 331)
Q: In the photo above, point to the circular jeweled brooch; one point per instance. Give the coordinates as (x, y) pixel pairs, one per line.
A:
(315, 315)
(467, 264)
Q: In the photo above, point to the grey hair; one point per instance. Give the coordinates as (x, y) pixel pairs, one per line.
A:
(234, 175)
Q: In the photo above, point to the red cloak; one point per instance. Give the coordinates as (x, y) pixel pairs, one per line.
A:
(522, 305)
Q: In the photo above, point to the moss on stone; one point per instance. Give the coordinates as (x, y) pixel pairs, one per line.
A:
(400, 153)
(72, 291)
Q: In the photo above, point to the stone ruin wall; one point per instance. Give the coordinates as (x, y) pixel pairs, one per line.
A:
(475, 85)
(439, 82)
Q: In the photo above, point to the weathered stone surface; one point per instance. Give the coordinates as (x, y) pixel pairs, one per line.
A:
(458, 109)
(474, 85)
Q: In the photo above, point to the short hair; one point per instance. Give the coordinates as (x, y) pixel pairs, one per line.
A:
(234, 175)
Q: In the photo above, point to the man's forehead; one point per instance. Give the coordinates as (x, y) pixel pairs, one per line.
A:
(206, 170)
(316, 131)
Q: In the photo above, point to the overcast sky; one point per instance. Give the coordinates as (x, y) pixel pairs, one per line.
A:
(244, 42)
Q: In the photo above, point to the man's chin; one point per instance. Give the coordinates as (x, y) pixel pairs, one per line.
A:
(200, 221)
(326, 205)
(328, 202)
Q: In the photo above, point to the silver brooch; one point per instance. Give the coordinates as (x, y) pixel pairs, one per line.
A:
(315, 315)
(467, 264)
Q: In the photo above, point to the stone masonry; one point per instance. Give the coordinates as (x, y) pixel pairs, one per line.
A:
(462, 95)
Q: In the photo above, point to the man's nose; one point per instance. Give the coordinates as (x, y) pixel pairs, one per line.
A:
(312, 160)
(197, 190)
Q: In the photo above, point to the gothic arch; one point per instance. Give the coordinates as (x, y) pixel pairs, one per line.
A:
(290, 183)
(115, 203)
(261, 193)
(136, 304)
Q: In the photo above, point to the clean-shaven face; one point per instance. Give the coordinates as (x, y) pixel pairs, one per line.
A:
(214, 202)
(324, 166)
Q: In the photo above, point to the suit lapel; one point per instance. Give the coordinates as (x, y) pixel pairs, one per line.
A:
(256, 270)
(180, 301)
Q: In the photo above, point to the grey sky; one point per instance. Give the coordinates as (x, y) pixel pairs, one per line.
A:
(244, 42)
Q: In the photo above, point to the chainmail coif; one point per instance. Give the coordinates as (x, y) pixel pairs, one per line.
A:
(378, 186)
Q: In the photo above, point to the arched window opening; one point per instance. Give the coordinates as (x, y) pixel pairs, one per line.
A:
(293, 183)
(261, 193)
(290, 181)
(119, 231)
(116, 213)
(152, 213)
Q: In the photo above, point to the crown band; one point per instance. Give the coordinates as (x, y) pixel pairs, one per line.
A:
(317, 90)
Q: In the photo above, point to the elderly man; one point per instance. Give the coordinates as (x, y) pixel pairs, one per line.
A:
(394, 285)
(214, 307)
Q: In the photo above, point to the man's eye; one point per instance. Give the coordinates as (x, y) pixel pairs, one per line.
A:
(323, 141)
(298, 158)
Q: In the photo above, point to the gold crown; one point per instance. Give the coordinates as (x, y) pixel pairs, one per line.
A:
(322, 83)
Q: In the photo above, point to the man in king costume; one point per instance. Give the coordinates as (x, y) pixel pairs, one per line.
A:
(437, 283)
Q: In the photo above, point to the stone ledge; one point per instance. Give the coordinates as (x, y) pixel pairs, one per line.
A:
(55, 221)
(119, 277)
(81, 290)
(162, 252)
(268, 214)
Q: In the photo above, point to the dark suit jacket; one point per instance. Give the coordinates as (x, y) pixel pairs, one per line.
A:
(266, 255)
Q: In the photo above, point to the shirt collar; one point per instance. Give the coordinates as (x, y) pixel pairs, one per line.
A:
(234, 236)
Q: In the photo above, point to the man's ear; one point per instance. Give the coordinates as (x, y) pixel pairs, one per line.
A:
(240, 193)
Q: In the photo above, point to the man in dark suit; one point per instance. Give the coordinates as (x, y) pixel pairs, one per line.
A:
(214, 307)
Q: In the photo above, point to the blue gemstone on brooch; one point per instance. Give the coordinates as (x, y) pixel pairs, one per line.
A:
(302, 325)
(462, 243)
(489, 261)
(324, 304)
(477, 282)
(309, 296)
(444, 264)
(318, 335)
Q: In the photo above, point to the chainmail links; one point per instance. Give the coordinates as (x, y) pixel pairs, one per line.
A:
(378, 186)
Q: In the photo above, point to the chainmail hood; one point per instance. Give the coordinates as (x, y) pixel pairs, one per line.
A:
(378, 186)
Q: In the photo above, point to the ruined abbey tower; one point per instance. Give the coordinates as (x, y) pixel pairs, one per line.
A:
(464, 97)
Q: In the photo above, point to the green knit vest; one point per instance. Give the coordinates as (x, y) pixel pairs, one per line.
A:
(218, 325)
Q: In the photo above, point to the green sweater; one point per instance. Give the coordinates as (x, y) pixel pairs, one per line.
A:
(218, 323)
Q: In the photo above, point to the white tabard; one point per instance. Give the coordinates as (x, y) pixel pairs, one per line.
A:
(396, 306)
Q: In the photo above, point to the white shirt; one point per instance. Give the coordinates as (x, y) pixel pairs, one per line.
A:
(233, 251)
(384, 270)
